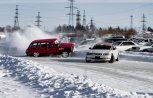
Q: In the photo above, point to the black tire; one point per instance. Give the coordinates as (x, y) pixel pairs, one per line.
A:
(88, 61)
(112, 60)
(65, 54)
(117, 58)
(36, 54)
(145, 50)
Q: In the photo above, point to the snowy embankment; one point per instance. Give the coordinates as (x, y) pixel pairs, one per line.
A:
(52, 84)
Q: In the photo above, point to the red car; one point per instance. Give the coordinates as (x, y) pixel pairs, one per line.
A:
(49, 46)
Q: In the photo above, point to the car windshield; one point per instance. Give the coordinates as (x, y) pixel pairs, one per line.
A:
(117, 43)
(102, 47)
(113, 40)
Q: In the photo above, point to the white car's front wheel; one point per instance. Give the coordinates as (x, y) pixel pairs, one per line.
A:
(87, 60)
(117, 58)
(112, 59)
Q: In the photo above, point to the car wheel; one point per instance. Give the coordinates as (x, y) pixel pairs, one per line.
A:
(112, 59)
(117, 58)
(65, 54)
(36, 54)
(87, 61)
(145, 50)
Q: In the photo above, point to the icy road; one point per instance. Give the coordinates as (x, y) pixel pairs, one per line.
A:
(128, 75)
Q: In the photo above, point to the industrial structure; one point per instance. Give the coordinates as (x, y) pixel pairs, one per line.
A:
(71, 12)
(16, 19)
(38, 21)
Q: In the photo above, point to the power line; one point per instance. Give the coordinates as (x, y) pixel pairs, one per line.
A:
(78, 18)
(71, 13)
(38, 20)
(143, 23)
(131, 21)
(16, 18)
(84, 18)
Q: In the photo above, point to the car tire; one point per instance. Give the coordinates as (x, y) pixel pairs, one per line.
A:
(117, 58)
(112, 59)
(65, 54)
(36, 54)
(145, 50)
(88, 61)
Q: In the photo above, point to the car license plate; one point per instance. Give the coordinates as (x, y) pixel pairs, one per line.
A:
(97, 57)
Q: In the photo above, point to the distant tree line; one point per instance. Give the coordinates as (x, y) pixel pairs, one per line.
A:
(89, 32)
(117, 32)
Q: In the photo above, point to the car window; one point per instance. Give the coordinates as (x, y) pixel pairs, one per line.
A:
(117, 43)
(42, 45)
(127, 43)
(102, 47)
(49, 45)
(33, 45)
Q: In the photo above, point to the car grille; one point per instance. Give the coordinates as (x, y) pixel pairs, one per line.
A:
(96, 53)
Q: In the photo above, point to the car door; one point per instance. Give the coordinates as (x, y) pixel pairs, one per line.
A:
(52, 48)
(32, 48)
(42, 48)
(126, 45)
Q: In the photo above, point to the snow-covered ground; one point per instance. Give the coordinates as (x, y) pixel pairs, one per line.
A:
(11, 88)
(54, 77)
(51, 84)
(48, 83)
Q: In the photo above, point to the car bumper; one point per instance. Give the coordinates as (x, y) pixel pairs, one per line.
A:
(98, 58)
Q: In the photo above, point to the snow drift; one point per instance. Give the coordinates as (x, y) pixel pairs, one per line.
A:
(51, 84)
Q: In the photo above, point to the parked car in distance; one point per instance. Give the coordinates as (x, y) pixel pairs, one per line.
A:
(49, 46)
(114, 39)
(149, 49)
(102, 52)
(124, 45)
(142, 48)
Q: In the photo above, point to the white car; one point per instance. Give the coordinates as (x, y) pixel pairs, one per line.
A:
(102, 52)
(124, 45)
(143, 48)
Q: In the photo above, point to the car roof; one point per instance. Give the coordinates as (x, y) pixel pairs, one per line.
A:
(45, 40)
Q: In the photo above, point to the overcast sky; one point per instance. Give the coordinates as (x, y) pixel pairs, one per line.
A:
(105, 13)
(78, 1)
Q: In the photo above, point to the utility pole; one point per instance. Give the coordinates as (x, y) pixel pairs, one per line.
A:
(143, 23)
(131, 21)
(92, 27)
(38, 20)
(71, 13)
(91, 24)
(78, 18)
(84, 18)
(16, 19)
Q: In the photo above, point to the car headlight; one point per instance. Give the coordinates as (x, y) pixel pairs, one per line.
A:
(105, 53)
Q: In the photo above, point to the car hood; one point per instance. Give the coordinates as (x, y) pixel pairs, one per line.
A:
(99, 51)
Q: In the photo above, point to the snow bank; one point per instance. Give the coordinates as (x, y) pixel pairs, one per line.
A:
(54, 85)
